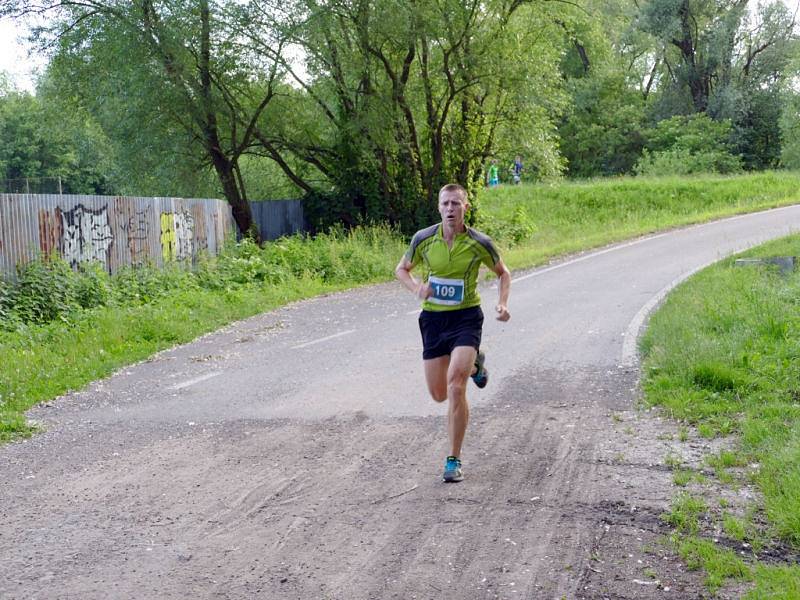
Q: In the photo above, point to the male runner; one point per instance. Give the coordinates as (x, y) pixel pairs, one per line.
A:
(451, 320)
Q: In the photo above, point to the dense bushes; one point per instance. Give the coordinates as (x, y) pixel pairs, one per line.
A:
(48, 289)
(685, 145)
(514, 231)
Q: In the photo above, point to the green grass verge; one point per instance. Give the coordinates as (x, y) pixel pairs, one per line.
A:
(568, 217)
(140, 317)
(531, 223)
(723, 354)
(43, 362)
(775, 583)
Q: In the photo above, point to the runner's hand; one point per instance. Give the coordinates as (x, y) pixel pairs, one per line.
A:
(502, 312)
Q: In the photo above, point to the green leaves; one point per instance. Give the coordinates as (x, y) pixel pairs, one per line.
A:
(692, 144)
(367, 108)
(43, 143)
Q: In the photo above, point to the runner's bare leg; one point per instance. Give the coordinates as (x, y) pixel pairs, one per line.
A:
(436, 377)
(462, 362)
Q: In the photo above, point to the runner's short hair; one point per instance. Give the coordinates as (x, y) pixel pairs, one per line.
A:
(454, 187)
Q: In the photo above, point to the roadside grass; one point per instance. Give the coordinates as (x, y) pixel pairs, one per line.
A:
(53, 340)
(723, 355)
(718, 563)
(775, 583)
(61, 330)
(546, 220)
(42, 362)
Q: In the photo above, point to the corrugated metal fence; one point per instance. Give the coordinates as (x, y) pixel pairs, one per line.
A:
(278, 217)
(114, 230)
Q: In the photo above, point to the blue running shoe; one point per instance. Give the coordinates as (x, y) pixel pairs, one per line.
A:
(452, 470)
(481, 376)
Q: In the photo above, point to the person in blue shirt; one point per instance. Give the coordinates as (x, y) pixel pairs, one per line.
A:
(516, 170)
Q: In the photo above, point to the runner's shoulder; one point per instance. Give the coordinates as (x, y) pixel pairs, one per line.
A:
(421, 236)
(485, 241)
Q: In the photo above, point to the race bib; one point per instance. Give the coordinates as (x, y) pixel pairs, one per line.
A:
(446, 291)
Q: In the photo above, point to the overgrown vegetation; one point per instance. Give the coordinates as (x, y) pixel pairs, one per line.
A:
(49, 290)
(723, 355)
(60, 329)
(685, 145)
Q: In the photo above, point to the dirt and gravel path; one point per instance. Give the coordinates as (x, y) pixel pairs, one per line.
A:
(296, 455)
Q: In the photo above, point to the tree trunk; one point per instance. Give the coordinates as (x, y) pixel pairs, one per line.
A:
(223, 166)
(240, 207)
(698, 80)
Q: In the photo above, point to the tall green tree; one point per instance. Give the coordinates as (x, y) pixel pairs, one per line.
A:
(609, 80)
(418, 94)
(184, 61)
(698, 38)
(722, 59)
(48, 149)
(762, 84)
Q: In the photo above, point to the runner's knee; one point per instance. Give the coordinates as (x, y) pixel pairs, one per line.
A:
(439, 395)
(459, 376)
(456, 386)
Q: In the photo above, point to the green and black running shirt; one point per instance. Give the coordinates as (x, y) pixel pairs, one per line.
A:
(451, 272)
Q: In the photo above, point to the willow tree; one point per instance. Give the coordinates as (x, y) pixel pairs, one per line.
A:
(367, 106)
(720, 58)
(417, 94)
(178, 63)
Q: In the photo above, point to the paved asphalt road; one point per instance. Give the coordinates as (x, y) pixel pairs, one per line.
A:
(297, 455)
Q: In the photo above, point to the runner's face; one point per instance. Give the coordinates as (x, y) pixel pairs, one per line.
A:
(452, 207)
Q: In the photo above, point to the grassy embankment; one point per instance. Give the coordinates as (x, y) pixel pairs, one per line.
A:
(571, 217)
(58, 334)
(722, 355)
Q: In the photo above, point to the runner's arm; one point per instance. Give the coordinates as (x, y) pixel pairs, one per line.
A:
(403, 272)
(504, 274)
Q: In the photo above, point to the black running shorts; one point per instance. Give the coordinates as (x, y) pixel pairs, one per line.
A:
(443, 331)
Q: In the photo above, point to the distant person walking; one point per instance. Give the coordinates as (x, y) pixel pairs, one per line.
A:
(493, 174)
(451, 321)
(516, 170)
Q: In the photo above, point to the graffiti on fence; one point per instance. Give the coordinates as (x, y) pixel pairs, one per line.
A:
(138, 228)
(184, 235)
(86, 235)
(200, 239)
(177, 235)
(114, 231)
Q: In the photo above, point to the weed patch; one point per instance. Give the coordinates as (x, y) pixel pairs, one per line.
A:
(718, 563)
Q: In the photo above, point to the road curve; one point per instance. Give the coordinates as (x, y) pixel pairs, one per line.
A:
(296, 455)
